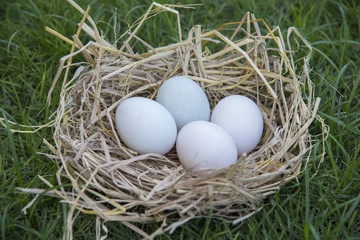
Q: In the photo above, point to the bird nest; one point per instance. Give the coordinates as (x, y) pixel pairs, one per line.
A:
(117, 184)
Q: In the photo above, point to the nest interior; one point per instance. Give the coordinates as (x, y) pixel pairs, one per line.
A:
(118, 184)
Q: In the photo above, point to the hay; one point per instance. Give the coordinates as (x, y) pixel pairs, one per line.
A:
(117, 184)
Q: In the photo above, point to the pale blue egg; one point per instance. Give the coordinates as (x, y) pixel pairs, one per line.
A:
(145, 125)
(184, 99)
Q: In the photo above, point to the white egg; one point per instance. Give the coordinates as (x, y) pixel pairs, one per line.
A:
(145, 125)
(203, 145)
(241, 118)
(184, 99)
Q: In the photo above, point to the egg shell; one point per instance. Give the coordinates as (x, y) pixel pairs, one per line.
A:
(184, 99)
(145, 125)
(241, 118)
(203, 145)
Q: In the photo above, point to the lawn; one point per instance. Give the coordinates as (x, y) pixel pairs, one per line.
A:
(324, 205)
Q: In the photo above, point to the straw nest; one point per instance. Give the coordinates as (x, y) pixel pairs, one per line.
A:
(117, 184)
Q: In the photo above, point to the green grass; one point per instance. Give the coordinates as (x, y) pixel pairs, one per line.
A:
(325, 206)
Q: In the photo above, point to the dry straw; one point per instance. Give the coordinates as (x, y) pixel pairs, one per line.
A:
(117, 184)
